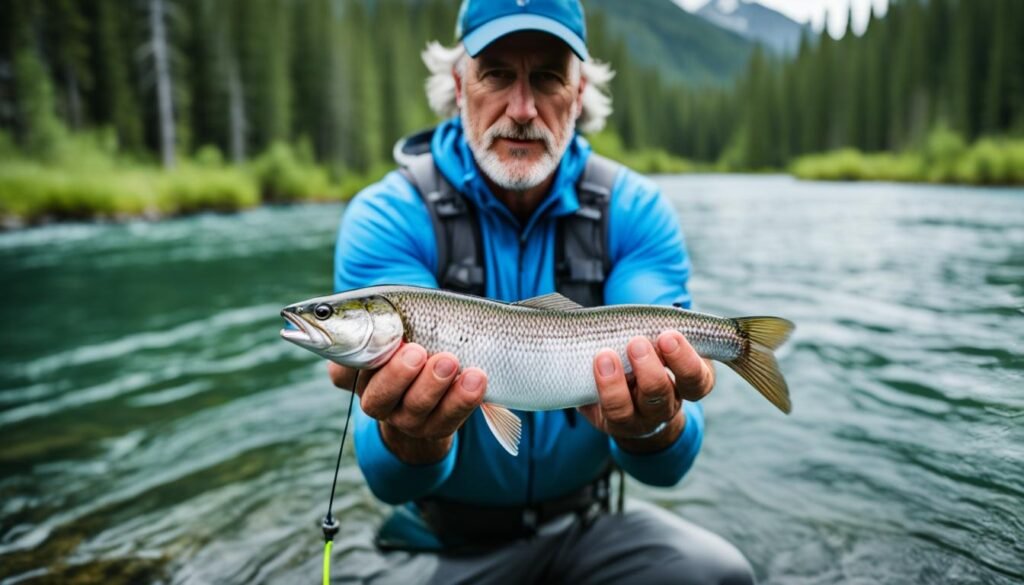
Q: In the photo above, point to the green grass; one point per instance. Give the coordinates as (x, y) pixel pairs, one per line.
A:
(647, 160)
(944, 158)
(84, 179)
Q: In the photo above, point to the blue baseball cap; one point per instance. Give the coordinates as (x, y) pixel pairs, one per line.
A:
(481, 22)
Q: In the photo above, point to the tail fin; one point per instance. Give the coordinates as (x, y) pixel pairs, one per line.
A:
(758, 365)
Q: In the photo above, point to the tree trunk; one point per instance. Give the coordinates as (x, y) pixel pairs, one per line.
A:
(236, 104)
(74, 102)
(164, 89)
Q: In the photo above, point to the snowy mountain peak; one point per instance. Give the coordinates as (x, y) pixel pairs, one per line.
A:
(755, 22)
(728, 6)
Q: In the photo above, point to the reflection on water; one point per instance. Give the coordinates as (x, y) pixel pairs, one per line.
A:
(156, 430)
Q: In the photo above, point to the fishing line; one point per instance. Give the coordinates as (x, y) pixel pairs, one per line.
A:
(329, 525)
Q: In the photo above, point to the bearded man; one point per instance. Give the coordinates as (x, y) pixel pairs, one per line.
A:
(509, 175)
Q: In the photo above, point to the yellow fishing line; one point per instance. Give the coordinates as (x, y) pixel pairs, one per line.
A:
(327, 562)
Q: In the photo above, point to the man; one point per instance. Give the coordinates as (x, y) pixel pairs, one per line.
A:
(470, 512)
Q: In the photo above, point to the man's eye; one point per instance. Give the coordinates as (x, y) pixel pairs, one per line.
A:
(546, 77)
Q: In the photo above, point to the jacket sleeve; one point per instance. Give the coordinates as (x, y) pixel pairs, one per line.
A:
(386, 238)
(651, 266)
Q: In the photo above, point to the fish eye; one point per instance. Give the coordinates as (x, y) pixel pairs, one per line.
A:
(322, 311)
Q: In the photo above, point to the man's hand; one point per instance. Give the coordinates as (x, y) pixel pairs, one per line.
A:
(631, 408)
(419, 401)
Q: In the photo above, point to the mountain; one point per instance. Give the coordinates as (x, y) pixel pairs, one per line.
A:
(755, 22)
(683, 47)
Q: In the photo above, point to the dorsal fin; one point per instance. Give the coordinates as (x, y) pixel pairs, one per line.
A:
(550, 302)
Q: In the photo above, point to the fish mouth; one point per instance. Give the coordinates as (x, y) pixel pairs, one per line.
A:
(305, 333)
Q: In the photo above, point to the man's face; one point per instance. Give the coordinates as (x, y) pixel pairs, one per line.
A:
(519, 99)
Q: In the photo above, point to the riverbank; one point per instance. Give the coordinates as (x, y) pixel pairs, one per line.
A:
(88, 181)
(944, 158)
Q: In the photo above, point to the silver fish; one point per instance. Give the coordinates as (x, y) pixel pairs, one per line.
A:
(537, 353)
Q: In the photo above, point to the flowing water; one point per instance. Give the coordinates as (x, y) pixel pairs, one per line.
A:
(154, 429)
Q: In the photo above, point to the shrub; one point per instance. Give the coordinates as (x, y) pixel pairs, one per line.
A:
(282, 176)
(193, 188)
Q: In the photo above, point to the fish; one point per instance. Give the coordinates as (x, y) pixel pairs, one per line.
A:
(537, 353)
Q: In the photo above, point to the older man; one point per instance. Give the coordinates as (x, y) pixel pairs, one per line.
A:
(523, 84)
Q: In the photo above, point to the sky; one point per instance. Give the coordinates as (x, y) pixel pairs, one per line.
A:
(813, 11)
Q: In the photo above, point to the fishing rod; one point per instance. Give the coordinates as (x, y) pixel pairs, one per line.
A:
(330, 525)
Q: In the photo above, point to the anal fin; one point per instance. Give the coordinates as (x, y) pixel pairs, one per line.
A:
(505, 425)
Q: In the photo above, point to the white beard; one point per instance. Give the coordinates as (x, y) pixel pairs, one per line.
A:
(518, 174)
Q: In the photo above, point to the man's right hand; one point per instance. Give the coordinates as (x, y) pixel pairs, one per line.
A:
(418, 401)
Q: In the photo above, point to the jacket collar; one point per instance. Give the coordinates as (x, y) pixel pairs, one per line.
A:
(455, 160)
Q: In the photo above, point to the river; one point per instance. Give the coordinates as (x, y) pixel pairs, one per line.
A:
(155, 429)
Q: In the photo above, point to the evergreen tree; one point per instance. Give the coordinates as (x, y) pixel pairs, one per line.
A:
(66, 40)
(313, 68)
(115, 99)
(41, 130)
(264, 58)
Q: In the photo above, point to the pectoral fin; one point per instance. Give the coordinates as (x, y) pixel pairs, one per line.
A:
(505, 425)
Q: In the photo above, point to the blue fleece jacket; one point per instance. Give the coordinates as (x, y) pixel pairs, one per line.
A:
(386, 238)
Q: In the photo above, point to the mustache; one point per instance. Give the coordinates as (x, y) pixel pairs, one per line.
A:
(513, 131)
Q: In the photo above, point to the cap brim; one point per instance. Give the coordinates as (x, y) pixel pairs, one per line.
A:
(478, 40)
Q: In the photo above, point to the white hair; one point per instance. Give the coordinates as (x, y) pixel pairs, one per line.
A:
(441, 61)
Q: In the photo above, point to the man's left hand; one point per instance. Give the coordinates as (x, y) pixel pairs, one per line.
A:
(630, 408)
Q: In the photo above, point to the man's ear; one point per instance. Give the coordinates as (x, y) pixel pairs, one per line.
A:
(458, 86)
(579, 96)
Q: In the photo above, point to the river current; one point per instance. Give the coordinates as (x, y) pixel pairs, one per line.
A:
(155, 429)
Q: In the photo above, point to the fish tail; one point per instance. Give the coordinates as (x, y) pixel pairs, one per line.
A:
(757, 364)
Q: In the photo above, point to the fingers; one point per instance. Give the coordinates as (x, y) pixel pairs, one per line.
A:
(425, 392)
(612, 388)
(694, 376)
(383, 392)
(341, 376)
(458, 403)
(655, 392)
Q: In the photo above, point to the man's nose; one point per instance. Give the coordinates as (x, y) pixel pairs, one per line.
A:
(521, 106)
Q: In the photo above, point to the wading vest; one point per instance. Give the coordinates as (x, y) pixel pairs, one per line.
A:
(581, 239)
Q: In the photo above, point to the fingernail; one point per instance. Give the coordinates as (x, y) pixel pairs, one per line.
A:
(444, 368)
(605, 365)
(472, 381)
(668, 344)
(638, 349)
(413, 356)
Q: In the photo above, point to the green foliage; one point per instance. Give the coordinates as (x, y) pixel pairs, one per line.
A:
(192, 188)
(282, 176)
(30, 192)
(88, 181)
(8, 149)
(992, 162)
(850, 164)
(209, 156)
(648, 160)
(42, 132)
(945, 158)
